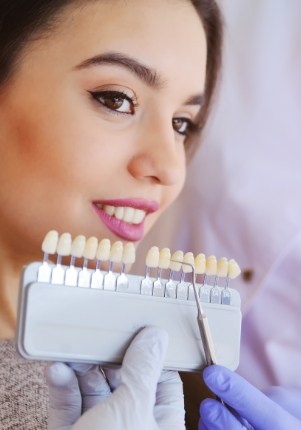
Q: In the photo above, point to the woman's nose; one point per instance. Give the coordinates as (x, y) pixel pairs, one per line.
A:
(160, 155)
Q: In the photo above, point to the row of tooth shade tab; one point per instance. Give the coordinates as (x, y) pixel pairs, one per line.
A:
(175, 284)
(104, 251)
(178, 261)
(89, 249)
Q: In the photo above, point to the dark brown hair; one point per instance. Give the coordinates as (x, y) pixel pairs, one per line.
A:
(21, 20)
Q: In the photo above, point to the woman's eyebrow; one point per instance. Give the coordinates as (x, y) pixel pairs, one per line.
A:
(146, 74)
(195, 100)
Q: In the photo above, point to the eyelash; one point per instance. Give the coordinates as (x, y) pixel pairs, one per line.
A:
(102, 97)
(190, 129)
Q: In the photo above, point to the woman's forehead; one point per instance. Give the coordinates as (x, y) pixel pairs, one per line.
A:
(173, 48)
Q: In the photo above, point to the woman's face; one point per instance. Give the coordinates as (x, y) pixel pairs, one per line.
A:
(93, 124)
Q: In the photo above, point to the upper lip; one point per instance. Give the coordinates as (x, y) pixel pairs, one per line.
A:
(147, 206)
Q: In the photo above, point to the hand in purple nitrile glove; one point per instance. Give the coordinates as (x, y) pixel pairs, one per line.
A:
(247, 407)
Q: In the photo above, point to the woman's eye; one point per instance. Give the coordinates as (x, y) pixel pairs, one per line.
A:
(183, 125)
(115, 101)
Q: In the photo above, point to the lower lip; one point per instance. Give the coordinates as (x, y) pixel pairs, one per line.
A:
(126, 231)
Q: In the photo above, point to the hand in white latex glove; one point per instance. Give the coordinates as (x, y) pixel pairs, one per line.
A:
(142, 398)
(252, 409)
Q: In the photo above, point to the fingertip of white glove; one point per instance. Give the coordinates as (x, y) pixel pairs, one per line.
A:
(58, 374)
(154, 339)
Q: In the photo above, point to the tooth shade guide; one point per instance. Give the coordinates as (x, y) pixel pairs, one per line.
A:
(48, 247)
(233, 269)
(78, 246)
(200, 264)
(176, 261)
(188, 261)
(110, 279)
(222, 267)
(49, 244)
(129, 254)
(161, 285)
(164, 258)
(103, 250)
(64, 245)
(211, 266)
(152, 257)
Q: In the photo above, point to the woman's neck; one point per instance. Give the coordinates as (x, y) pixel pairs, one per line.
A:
(9, 290)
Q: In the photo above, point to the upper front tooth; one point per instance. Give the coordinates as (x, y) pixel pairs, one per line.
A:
(119, 212)
(128, 214)
(138, 216)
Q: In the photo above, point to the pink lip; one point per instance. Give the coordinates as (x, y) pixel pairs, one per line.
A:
(126, 231)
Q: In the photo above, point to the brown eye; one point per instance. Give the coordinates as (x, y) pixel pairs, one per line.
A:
(115, 101)
(181, 125)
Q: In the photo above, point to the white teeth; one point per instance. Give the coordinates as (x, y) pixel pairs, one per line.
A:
(119, 213)
(138, 216)
(126, 214)
(109, 210)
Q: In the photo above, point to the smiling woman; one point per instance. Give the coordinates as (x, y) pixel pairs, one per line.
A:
(101, 103)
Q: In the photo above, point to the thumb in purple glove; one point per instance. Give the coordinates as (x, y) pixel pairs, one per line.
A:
(248, 403)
